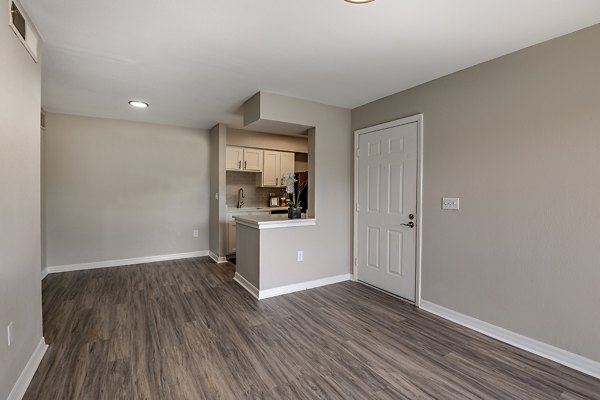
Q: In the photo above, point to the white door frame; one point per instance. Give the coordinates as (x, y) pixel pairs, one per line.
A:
(403, 121)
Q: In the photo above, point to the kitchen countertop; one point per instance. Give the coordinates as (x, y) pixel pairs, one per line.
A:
(268, 221)
(235, 210)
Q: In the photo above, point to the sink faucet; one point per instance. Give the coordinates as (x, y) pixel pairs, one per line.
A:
(241, 196)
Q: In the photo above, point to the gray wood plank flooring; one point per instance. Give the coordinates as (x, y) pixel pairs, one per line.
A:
(184, 330)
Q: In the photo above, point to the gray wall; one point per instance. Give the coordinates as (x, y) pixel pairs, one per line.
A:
(278, 250)
(218, 224)
(327, 246)
(118, 189)
(20, 289)
(249, 254)
(517, 139)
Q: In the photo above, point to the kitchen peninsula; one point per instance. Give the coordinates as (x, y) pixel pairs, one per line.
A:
(274, 255)
(270, 256)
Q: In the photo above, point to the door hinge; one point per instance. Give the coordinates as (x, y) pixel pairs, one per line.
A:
(357, 207)
(357, 152)
(355, 262)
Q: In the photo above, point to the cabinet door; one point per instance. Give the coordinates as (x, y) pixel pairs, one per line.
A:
(271, 168)
(253, 160)
(234, 158)
(287, 164)
(231, 237)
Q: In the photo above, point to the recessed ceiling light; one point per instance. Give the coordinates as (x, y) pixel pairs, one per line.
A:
(358, 1)
(138, 104)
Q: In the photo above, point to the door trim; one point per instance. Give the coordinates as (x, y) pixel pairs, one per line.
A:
(418, 251)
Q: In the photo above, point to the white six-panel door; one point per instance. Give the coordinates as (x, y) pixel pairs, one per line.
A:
(387, 209)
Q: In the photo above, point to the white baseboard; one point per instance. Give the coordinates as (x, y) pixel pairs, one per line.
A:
(127, 261)
(572, 360)
(296, 287)
(246, 285)
(18, 391)
(216, 258)
(44, 273)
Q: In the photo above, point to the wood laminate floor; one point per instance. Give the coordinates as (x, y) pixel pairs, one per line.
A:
(185, 330)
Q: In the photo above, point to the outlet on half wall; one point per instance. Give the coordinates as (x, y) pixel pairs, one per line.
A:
(195, 233)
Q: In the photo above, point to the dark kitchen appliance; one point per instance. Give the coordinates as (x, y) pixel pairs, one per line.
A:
(302, 180)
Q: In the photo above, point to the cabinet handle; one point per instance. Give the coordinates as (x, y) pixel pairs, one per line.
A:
(240, 164)
(276, 181)
(245, 164)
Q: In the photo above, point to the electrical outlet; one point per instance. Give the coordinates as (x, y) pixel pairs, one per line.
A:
(300, 256)
(195, 232)
(9, 329)
(450, 203)
(217, 196)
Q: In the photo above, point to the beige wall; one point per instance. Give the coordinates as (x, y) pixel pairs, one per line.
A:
(42, 197)
(271, 141)
(118, 189)
(517, 139)
(20, 289)
(218, 223)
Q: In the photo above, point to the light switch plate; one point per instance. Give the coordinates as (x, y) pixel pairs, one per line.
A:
(450, 203)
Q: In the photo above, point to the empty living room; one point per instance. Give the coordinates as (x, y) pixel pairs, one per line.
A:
(284, 199)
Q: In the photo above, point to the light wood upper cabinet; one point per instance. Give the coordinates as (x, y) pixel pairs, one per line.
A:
(233, 158)
(275, 163)
(253, 160)
(271, 163)
(271, 168)
(287, 162)
(243, 159)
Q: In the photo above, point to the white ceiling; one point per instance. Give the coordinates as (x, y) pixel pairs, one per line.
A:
(196, 61)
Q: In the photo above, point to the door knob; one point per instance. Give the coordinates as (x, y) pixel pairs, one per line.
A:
(410, 224)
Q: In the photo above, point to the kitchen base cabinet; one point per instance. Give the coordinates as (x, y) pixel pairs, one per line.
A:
(231, 239)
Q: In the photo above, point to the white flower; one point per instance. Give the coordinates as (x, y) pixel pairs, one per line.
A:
(289, 179)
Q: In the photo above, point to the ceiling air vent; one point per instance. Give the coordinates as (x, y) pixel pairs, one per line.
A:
(23, 28)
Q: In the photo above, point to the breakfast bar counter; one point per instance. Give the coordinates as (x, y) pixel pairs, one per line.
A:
(273, 221)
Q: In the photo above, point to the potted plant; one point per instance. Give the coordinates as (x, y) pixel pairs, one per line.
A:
(294, 206)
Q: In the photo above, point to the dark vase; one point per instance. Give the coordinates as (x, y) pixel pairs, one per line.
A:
(295, 213)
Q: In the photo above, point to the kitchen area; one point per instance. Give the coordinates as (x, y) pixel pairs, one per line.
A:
(255, 163)
(285, 138)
